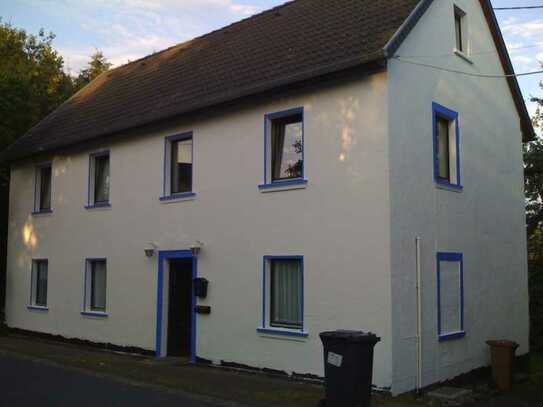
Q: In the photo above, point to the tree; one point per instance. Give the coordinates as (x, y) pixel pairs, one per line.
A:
(96, 66)
(32, 85)
(533, 180)
(32, 81)
(533, 184)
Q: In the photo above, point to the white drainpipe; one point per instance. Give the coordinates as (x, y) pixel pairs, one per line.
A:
(419, 314)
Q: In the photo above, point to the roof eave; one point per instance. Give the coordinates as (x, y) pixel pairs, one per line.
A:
(403, 31)
(528, 133)
(366, 66)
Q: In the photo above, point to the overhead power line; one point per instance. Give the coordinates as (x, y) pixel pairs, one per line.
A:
(475, 53)
(518, 8)
(473, 74)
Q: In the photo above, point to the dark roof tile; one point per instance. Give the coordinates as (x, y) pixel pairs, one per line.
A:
(290, 43)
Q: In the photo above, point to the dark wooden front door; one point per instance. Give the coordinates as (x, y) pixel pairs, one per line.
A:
(180, 304)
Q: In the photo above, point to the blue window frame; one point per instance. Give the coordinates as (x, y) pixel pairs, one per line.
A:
(95, 287)
(284, 158)
(43, 188)
(450, 296)
(178, 175)
(283, 296)
(446, 147)
(99, 180)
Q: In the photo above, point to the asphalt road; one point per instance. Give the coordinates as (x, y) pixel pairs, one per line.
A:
(25, 382)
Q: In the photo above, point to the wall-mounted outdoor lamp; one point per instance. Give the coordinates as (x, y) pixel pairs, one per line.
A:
(196, 247)
(150, 249)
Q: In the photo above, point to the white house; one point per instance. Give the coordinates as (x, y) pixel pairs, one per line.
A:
(315, 163)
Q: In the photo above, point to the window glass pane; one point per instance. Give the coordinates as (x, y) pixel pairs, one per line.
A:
(98, 286)
(45, 189)
(450, 297)
(286, 293)
(41, 283)
(101, 179)
(287, 148)
(458, 28)
(443, 154)
(181, 166)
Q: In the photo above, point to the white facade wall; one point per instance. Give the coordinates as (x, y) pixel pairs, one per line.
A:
(485, 221)
(340, 223)
(370, 193)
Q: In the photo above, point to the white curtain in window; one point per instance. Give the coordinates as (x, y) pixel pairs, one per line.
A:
(181, 166)
(184, 152)
(286, 298)
(450, 296)
(98, 286)
(101, 179)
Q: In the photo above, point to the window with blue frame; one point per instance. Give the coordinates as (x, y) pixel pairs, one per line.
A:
(446, 145)
(178, 166)
(284, 147)
(283, 299)
(450, 295)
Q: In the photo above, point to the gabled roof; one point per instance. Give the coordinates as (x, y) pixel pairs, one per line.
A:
(295, 42)
(395, 42)
(290, 43)
(525, 121)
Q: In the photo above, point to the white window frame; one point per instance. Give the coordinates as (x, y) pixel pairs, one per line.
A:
(464, 32)
(167, 194)
(455, 181)
(266, 326)
(37, 188)
(87, 293)
(34, 284)
(91, 202)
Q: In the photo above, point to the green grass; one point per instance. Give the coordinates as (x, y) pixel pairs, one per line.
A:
(536, 364)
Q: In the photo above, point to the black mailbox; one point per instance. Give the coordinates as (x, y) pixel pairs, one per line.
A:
(200, 287)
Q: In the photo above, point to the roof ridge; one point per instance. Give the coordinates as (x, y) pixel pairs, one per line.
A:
(207, 34)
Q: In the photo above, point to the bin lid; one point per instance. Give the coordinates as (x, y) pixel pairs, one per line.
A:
(502, 343)
(350, 336)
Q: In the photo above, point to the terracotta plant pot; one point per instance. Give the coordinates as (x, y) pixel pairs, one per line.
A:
(503, 357)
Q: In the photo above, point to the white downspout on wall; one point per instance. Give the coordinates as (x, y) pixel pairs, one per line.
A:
(419, 314)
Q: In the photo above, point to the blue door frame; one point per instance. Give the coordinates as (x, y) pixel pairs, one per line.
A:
(163, 256)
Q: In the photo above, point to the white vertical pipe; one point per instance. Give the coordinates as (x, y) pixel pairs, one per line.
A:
(419, 314)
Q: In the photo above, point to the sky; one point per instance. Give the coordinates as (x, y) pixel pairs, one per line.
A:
(129, 29)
